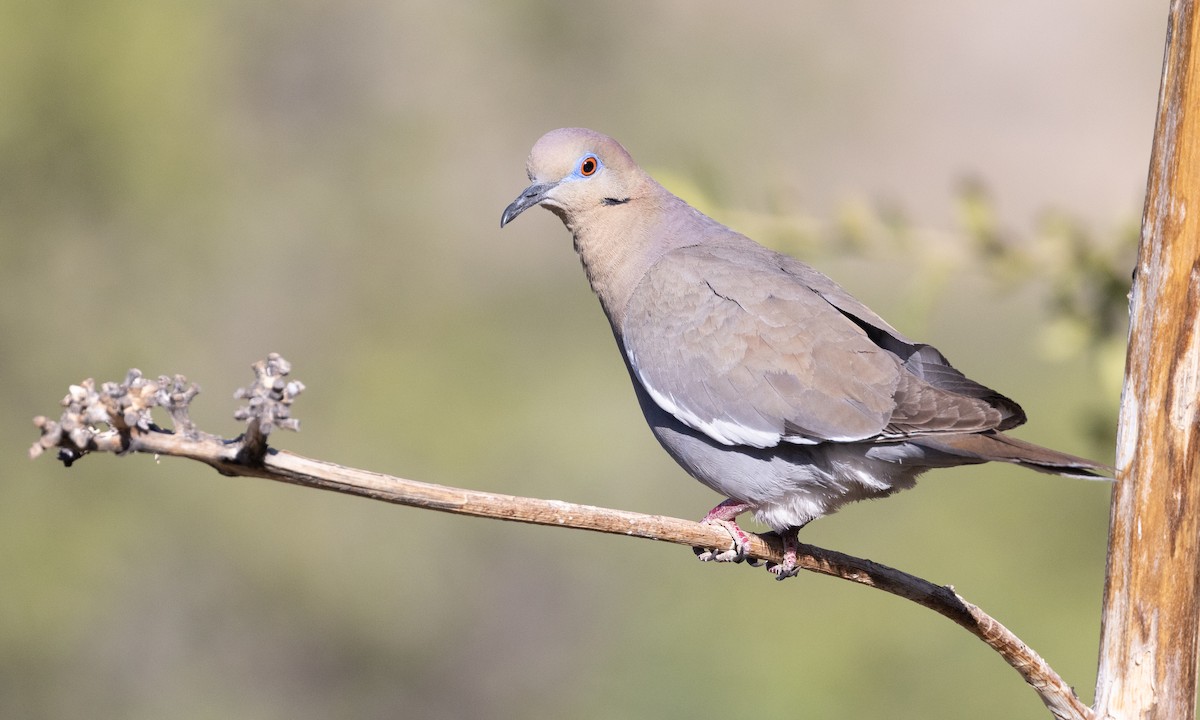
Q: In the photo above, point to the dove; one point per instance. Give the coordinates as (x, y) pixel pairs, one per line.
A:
(763, 378)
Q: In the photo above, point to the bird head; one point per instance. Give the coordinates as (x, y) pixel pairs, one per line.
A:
(573, 170)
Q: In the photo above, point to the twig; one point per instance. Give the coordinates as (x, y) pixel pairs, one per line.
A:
(125, 409)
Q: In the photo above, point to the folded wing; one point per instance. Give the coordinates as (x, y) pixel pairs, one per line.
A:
(755, 348)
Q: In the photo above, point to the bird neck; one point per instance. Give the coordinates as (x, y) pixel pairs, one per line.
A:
(618, 244)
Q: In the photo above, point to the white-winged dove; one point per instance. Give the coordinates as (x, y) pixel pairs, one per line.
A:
(762, 377)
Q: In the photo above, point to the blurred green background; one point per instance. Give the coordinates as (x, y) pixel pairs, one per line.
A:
(188, 186)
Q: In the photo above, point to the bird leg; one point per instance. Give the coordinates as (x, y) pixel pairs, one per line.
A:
(787, 568)
(723, 515)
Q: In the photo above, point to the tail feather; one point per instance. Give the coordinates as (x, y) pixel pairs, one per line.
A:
(998, 447)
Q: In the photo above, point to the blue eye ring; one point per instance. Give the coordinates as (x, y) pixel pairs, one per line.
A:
(589, 165)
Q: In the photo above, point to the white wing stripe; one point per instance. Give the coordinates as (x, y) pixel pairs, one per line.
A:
(723, 431)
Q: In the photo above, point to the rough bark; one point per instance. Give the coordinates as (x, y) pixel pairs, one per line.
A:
(1151, 614)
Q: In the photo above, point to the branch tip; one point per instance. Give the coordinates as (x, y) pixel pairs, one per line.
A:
(175, 394)
(268, 406)
(117, 416)
(269, 398)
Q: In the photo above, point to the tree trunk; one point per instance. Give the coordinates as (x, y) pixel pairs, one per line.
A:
(1151, 616)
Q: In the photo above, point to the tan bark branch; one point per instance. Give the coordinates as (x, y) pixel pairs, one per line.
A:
(125, 410)
(1150, 630)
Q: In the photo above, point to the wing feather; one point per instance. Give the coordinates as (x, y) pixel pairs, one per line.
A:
(755, 348)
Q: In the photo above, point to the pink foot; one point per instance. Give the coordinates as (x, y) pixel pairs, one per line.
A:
(787, 568)
(723, 515)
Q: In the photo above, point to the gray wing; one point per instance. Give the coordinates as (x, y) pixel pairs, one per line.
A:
(754, 348)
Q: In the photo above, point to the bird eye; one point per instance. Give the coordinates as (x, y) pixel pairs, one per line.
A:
(588, 166)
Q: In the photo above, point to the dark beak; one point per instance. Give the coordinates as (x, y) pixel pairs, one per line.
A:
(532, 195)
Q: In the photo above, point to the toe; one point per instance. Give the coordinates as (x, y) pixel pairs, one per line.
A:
(783, 571)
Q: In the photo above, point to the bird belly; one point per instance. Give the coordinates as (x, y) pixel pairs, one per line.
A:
(787, 485)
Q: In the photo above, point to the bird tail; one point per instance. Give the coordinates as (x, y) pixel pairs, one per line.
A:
(998, 447)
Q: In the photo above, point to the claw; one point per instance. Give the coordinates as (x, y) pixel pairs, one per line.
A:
(782, 571)
(788, 567)
(738, 545)
(723, 515)
(725, 556)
